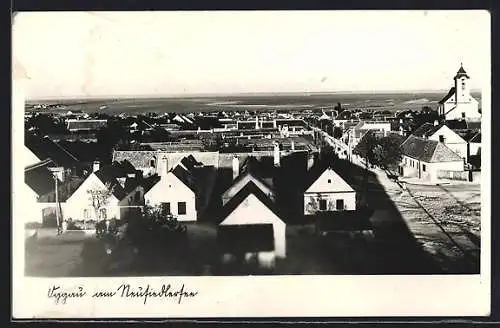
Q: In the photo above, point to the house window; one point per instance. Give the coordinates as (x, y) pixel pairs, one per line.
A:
(103, 215)
(137, 196)
(463, 115)
(165, 208)
(322, 204)
(152, 162)
(423, 167)
(86, 214)
(181, 208)
(329, 180)
(339, 204)
(441, 138)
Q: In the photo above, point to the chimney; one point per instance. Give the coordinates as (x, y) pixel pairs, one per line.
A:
(256, 123)
(164, 166)
(436, 123)
(276, 154)
(310, 161)
(121, 181)
(236, 167)
(293, 145)
(95, 166)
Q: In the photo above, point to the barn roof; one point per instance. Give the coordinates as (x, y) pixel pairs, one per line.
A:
(429, 151)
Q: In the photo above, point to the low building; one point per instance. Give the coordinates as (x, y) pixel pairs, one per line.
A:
(423, 158)
(108, 192)
(176, 191)
(326, 190)
(77, 125)
(442, 133)
(252, 207)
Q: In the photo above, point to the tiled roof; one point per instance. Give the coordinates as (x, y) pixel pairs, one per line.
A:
(428, 150)
(138, 158)
(236, 200)
(448, 96)
(110, 173)
(44, 147)
(456, 124)
(426, 130)
(39, 178)
(245, 238)
(474, 125)
(466, 134)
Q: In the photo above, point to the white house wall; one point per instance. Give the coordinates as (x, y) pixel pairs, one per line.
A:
(336, 184)
(452, 140)
(253, 211)
(80, 200)
(475, 148)
(171, 190)
(431, 169)
(311, 201)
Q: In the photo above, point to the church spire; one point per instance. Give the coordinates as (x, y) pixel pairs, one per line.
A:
(461, 72)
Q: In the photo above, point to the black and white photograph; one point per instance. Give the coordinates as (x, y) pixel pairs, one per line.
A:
(262, 144)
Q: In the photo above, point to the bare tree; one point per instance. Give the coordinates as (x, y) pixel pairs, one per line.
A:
(99, 197)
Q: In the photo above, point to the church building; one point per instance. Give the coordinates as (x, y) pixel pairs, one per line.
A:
(458, 103)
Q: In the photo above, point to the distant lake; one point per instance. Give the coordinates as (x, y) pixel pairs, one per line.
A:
(377, 101)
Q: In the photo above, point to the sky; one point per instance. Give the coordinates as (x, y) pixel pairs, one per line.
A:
(100, 54)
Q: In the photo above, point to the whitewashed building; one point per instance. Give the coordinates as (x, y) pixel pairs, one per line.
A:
(175, 192)
(423, 158)
(458, 103)
(328, 191)
(248, 209)
(443, 134)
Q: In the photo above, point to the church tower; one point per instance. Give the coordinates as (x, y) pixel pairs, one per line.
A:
(462, 86)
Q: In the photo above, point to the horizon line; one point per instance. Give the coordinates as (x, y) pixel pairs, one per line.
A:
(236, 94)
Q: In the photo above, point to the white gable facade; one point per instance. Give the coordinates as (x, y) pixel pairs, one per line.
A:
(329, 193)
(252, 211)
(242, 182)
(172, 193)
(452, 140)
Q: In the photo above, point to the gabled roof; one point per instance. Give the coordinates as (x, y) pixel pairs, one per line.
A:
(44, 147)
(110, 173)
(448, 96)
(456, 124)
(426, 130)
(150, 182)
(466, 134)
(250, 188)
(429, 151)
(337, 183)
(259, 169)
(39, 178)
(189, 162)
(476, 138)
(474, 125)
(245, 238)
(185, 177)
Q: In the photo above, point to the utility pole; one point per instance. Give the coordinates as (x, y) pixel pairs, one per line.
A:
(57, 206)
